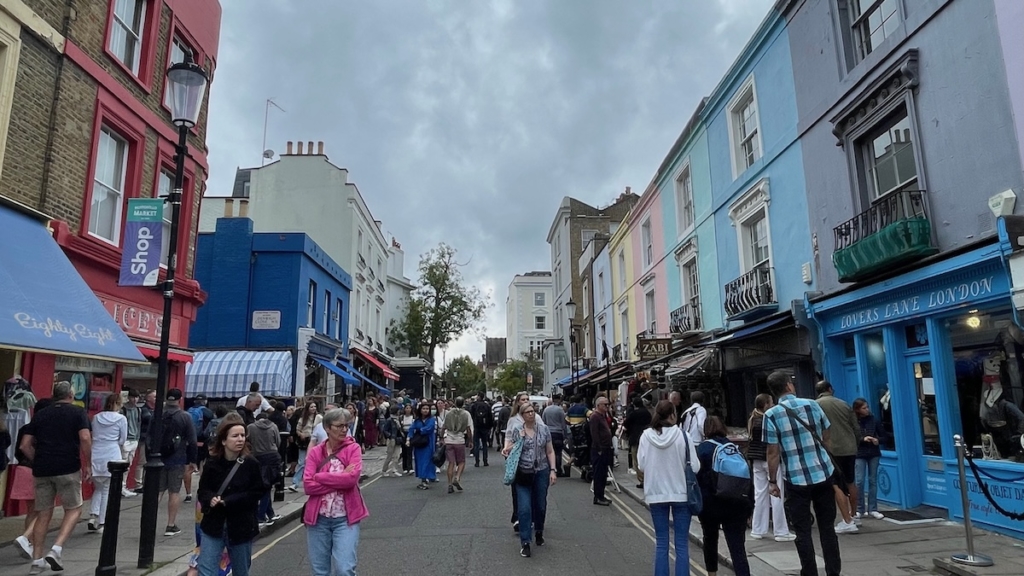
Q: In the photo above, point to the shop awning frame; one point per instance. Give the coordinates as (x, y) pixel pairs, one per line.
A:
(568, 380)
(348, 378)
(228, 373)
(361, 376)
(384, 368)
(760, 328)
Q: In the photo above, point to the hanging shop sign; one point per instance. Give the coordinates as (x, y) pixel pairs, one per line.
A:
(654, 348)
(144, 227)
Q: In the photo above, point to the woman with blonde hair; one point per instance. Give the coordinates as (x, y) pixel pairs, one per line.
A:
(109, 433)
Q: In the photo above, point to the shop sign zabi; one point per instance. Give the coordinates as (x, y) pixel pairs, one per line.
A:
(652, 349)
(140, 257)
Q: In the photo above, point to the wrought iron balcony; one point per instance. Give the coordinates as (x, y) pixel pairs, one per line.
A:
(361, 261)
(893, 231)
(686, 318)
(751, 293)
(617, 353)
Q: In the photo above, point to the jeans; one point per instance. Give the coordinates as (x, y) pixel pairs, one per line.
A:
(765, 504)
(799, 500)
(735, 529)
(332, 542)
(210, 550)
(558, 442)
(391, 458)
(299, 468)
(480, 445)
(600, 463)
(867, 472)
(681, 527)
(633, 450)
(265, 511)
(100, 496)
(533, 505)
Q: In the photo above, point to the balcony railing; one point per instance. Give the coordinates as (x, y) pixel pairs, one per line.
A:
(617, 355)
(892, 231)
(754, 290)
(361, 260)
(686, 318)
(380, 285)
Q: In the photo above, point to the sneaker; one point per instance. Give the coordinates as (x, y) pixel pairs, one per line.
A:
(268, 522)
(188, 498)
(293, 488)
(602, 502)
(457, 485)
(451, 489)
(856, 521)
(172, 531)
(476, 465)
(38, 567)
(846, 528)
(24, 547)
(876, 515)
(139, 490)
(525, 551)
(785, 537)
(640, 486)
(275, 518)
(756, 536)
(53, 559)
(126, 493)
(92, 526)
(515, 526)
(632, 472)
(540, 538)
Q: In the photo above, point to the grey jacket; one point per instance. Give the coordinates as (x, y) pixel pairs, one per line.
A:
(263, 437)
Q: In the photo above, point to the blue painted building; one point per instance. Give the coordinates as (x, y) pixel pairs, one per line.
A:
(278, 306)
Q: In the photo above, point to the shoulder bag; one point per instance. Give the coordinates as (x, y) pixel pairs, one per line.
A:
(230, 476)
(694, 499)
(512, 462)
(814, 435)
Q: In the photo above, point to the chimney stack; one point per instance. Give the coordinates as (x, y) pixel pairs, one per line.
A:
(243, 208)
(628, 190)
(289, 152)
(309, 150)
(320, 148)
(229, 208)
(299, 144)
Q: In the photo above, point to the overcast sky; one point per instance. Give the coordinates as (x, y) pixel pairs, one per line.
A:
(466, 122)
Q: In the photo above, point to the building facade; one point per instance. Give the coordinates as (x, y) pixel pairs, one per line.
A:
(528, 315)
(85, 126)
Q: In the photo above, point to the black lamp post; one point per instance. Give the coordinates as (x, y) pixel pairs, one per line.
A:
(570, 309)
(186, 82)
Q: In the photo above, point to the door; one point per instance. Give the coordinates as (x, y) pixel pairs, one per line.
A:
(928, 441)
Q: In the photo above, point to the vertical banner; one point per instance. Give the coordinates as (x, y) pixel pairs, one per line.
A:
(143, 235)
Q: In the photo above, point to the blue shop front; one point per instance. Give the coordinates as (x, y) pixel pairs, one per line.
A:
(936, 352)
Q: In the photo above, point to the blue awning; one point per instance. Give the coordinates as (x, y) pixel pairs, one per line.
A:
(45, 305)
(567, 381)
(228, 373)
(360, 375)
(743, 332)
(348, 378)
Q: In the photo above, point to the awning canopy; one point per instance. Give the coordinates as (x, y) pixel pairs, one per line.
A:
(227, 374)
(45, 305)
(388, 372)
(604, 374)
(743, 332)
(690, 362)
(362, 377)
(348, 378)
(568, 380)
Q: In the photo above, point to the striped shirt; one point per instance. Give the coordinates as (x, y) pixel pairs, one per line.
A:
(804, 460)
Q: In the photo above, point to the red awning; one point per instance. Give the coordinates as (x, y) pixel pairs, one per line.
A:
(173, 355)
(388, 372)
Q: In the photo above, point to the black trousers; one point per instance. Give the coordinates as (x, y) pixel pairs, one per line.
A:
(558, 441)
(799, 500)
(515, 504)
(406, 458)
(735, 529)
(600, 462)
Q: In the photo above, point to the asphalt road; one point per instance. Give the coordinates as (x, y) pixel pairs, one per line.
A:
(430, 532)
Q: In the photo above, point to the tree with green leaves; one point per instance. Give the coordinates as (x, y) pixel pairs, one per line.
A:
(465, 376)
(442, 309)
(511, 376)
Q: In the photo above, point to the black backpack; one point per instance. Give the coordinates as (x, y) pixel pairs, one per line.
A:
(172, 436)
(210, 432)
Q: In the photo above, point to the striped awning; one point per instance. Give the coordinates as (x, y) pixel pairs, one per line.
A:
(227, 374)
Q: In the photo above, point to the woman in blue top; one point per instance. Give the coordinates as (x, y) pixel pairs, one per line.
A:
(425, 425)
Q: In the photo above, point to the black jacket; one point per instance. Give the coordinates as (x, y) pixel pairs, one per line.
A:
(241, 499)
(637, 421)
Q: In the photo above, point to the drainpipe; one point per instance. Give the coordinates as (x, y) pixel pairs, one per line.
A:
(51, 133)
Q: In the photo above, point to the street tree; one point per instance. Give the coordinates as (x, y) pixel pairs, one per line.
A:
(465, 376)
(511, 377)
(442, 309)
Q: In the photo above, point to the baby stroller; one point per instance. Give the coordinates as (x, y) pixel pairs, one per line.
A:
(581, 449)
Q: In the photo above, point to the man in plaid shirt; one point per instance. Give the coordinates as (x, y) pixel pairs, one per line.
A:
(808, 471)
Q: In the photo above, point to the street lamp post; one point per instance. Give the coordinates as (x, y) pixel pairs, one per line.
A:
(570, 309)
(187, 84)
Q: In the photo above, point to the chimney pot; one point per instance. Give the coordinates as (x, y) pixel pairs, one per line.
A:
(229, 208)
(309, 150)
(320, 148)
(628, 189)
(299, 145)
(289, 148)
(243, 208)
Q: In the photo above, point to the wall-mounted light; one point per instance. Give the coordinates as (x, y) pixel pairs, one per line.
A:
(973, 321)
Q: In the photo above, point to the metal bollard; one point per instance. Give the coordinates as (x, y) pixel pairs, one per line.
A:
(279, 485)
(107, 565)
(970, 558)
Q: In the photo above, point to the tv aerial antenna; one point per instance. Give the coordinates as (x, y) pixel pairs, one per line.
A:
(267, 153)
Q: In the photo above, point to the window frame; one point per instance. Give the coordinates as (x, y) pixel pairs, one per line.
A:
(122, 194)
(651, 311)
(683, 185)
(747, 91)
(311, 298)
(622, 269)
(338, 308)
(178, 32)
(328, 300)
(750, 207)
(149, 36)
(540, 322)
(647, 242)
(856, 24)
(543, 299)
(10, 58)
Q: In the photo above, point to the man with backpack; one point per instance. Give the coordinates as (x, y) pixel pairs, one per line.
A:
(178, 450)
(483, 421)
(201, 416)
(694, 418)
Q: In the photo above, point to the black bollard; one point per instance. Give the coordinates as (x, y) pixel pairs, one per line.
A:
(107, 565)
(279, 485)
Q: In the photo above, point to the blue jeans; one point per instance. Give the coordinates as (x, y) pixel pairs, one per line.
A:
(867, 472)
(480, 445)
(533, 505)
(332, 542)
(266, 509)
(299, 468)
(210, 550)
(681, 527)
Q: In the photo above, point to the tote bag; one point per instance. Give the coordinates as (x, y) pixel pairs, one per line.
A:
(512, 463)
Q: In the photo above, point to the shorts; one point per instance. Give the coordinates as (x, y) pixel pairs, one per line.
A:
(845, 472)
(455, 453)
(171, 478)
(67, 486)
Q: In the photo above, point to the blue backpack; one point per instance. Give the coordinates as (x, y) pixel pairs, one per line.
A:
(731, 473)
(196, 412)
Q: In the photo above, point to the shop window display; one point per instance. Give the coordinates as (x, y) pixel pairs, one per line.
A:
(877, 387)
(987, 348)
(91, 380)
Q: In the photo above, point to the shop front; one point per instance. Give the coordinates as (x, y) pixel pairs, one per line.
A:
(936, 352)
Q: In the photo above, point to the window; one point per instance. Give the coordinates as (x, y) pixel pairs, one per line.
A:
(538, 299)
(126, 32)
(359, 243)
(648, 240)
(871, 22)
(311, 305)
(359, 308)
(684, 200)
(376, 324)
(745, 133)
(10, 54)
(586, 299)
(587, 236)
(650, 313)
(380, 269)
(624, 340)
(876, 386)
(337, 319)
(327, 312)
(691, 283)
(755, 236)
(600, 291)
(164, 186)
(108, 189)
(540, 322)
(622, 270)
(179, 51)
(888, 157)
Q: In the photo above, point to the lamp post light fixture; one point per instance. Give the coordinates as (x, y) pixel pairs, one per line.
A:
(186, 82)
(570, 309)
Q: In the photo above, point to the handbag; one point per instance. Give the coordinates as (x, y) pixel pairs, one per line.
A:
(525, 478)
(694, 499)
(419, 440)
(512, 463)
(440, 455)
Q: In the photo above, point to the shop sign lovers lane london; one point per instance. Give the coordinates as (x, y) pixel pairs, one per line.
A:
(931, 300)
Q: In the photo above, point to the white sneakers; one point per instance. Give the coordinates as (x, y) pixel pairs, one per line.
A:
(785, 537)
(24, 547)
(876, 515)
(846, 527)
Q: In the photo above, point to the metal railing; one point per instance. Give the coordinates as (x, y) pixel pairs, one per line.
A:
(892, 208)
(361, 260)
(686, 318)
(751, 290)
(617, 355)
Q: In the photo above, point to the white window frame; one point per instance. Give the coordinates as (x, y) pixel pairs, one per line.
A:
(179, 50)
(647, 240)
(622, 270)
(338, 304)
(311, 305)
(119, 25)
(746, 92)
(584, 240)
(686, 213)
(540, 322)
(586, 299)
(600, 290)
(651, 311)
(327, 312)
(10, 56)
(166, 176)
(860, 33)
(747, 209)
(359, 308)
(543, 301)
(108, 188)
(624, 328)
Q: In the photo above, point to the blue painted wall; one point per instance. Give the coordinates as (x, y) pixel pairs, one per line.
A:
(244, 272)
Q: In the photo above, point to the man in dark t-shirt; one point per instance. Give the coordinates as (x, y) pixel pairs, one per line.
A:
(60, 448)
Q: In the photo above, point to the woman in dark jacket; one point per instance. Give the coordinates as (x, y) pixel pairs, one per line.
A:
(728, 515)
(868, 455)
(638, 420)
(229, 512)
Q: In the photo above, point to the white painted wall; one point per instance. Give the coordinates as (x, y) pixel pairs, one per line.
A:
(521, 311)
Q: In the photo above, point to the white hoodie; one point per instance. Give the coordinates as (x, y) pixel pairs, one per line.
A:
(661, 457)
(109, 432)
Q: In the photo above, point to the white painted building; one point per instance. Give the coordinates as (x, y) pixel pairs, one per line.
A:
(528, 316)
(400, 289)
(304, 192)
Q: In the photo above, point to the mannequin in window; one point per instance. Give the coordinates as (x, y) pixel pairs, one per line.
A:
(885, 403)
(1000, 418)
(1010, 340)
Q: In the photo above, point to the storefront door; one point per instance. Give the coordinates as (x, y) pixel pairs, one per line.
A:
(928, 441)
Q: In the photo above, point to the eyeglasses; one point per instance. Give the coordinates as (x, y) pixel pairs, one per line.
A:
(525, 412)
(339, 426)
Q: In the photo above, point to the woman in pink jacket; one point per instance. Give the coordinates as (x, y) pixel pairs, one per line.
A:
(335, 506)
